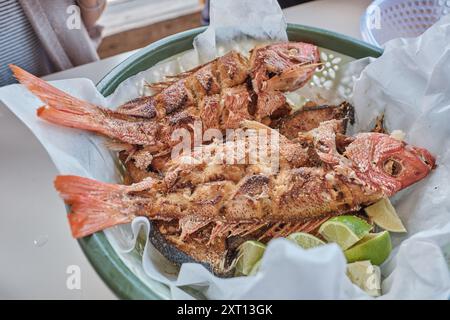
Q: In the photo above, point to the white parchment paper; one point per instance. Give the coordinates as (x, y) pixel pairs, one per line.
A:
(409, 83)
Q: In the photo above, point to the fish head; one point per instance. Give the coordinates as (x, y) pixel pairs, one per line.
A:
(283, 66)
(388, 163)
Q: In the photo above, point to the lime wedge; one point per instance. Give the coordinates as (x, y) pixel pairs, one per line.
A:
(383, 214)
(359, 226)
(366, 276)
(255, 268)
(344, 230)
(249, 253)
(305, 240)
(375, 247)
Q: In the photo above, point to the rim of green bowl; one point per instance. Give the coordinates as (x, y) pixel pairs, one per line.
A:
(118, 277)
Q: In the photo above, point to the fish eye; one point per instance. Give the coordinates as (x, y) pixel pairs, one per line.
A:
(392, 167)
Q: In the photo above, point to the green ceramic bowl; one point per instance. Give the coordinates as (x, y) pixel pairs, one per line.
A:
(109, 266)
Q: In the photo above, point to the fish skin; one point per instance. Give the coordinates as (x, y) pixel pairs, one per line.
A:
(373, 152)
(289, 126)
(309, 118)
(148, 122)
(284, 63)
(295, 194)
(366, 167)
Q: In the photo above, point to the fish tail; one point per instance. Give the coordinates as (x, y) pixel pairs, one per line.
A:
(50, 95)
(62, 108)
(72, 120)
(97, 205)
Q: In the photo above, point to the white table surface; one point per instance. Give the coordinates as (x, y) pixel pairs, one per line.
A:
(36, 247)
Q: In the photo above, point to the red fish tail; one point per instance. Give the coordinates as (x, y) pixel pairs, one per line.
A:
(62, 108)
(50, 95)
(69, 119)
(96, 205)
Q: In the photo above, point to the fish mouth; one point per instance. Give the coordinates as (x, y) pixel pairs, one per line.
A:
(424, 156)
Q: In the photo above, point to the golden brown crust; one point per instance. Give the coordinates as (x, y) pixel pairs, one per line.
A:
(310, 117)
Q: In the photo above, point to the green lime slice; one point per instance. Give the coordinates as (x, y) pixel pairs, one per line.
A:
(375, 247)
(249, 253)
(344, 230)
(359, 226)
(305, 240)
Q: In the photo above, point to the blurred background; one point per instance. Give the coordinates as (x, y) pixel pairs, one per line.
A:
(48, 36)
(132, 24)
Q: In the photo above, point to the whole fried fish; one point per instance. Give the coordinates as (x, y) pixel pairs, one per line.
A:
(219, 94)
(310, 172)
(243, 198)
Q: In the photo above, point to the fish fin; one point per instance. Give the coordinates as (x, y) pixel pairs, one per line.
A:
(250, 124)
(282, 230)
(347, 110)
(101, 122)
(97, 205)
(297, 76)
(50, 95)
(187, 73)
(190, 225)
(255, 125)
(379, 125)
(62, 108)
(324, 137)
(158, 87)
(72, 120)
(118, 146)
